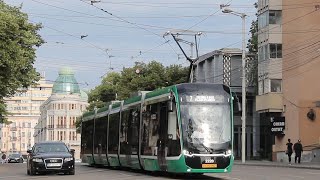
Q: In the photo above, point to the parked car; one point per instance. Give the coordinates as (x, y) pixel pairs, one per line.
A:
(16, 157)
(50, 157)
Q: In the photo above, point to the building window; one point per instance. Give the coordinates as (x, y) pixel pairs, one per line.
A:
(261, 84)
(275, 50)
(263, 20)
(275, 17)
(23, 134)
(275, 85)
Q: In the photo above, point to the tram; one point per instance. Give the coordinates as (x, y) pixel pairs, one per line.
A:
(184, 128)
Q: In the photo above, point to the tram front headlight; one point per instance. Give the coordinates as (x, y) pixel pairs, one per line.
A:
(187, 153)
(228, 152)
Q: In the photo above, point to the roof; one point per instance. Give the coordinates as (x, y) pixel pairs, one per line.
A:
(66, 83)
(50, 142)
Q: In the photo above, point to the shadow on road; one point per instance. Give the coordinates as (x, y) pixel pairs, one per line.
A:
(160, 174)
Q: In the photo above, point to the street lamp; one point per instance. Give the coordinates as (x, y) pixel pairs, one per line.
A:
(243, 137)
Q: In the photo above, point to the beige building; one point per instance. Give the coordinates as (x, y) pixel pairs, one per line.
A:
(24, 109)
(60, 111)
(289, 63)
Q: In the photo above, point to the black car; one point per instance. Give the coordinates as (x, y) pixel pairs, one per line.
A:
(50, 157)
(16, 157)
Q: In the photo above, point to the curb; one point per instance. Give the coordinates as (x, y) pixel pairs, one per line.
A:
(279, 165)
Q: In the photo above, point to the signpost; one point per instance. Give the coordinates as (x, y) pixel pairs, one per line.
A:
(277, 125)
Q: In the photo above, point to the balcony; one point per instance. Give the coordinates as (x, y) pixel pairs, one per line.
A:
(50, 126)
(61, 126)
(13, 129)
(271, 102)
(14, 139)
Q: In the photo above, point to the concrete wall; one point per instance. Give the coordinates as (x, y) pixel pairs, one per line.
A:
(301, 64)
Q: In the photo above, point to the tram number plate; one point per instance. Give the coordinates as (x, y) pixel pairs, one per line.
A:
(209, 165)
(53, 164)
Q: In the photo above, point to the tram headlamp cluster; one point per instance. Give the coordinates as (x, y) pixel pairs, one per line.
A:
(228, 152)
(187, 153)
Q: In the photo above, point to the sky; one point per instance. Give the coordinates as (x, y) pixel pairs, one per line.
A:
(109, 35)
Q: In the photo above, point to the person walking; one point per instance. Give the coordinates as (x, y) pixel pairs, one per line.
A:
(289, 150)
(3, 158)
(298, 150)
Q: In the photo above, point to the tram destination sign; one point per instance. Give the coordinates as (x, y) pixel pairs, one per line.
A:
(277, 125)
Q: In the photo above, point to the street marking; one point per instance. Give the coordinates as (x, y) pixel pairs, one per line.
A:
(312, 173)
(301, 177)
(220, 176)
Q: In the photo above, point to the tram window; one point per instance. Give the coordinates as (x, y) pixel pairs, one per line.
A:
(150, 127)
(113, 133)
(124, 146)
(129, 131)
(86, 141)
(100, 136)
(173, 133)
(134, 119)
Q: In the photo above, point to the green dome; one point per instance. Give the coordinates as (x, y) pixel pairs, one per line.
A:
(84, 95)
(66, 83)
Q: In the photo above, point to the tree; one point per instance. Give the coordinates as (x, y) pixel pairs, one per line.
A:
(18, 42)
(141, 77)
(252, 46)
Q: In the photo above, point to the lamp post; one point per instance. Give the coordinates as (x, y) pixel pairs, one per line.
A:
(243, 137)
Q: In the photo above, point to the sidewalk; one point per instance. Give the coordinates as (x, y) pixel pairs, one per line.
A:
(303, 165)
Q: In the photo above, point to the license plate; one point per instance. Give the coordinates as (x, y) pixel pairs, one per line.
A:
(53, 165)
(209, 165)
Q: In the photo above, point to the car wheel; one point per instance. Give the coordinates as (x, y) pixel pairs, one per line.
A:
(32, 171)
(72, 172)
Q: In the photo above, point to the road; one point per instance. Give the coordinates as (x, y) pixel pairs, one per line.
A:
(240, 172)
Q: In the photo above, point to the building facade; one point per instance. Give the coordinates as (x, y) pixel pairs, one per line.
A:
(224, 66)
(24, 111)
(60, 112)
(269, 99)
(288, 74)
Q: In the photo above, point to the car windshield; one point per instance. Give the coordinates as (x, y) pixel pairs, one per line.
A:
(14, 155)
(50, 148)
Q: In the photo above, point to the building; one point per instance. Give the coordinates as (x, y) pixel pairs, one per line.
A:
(225, 66)
(289, 62)
(24, 109)
(269, 99)
(60, 112)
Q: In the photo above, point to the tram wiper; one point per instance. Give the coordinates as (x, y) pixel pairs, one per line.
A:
(205, 147)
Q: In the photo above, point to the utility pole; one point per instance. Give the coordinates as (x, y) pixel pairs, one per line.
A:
(243, 118)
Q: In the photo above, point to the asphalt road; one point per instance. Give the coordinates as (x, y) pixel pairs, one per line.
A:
(240, 172)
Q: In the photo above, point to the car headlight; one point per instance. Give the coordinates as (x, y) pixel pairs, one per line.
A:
(68, 159)
(37, 160)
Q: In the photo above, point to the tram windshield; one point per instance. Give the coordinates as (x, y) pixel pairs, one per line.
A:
(206, 123)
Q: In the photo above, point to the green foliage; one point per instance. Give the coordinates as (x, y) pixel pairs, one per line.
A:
(253, 49)
(78, 124)
(253, 41)
(141, 77)
(18, 39)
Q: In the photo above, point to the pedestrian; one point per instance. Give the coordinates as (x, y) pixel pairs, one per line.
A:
(3, 158)
(289, 150)
(298, 150)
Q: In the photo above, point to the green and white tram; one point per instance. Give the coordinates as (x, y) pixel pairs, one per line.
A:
(185, 128)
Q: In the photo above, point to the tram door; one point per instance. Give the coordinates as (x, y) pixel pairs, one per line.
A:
(163, 136)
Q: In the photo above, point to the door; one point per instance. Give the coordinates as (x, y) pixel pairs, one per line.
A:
(163, 136)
